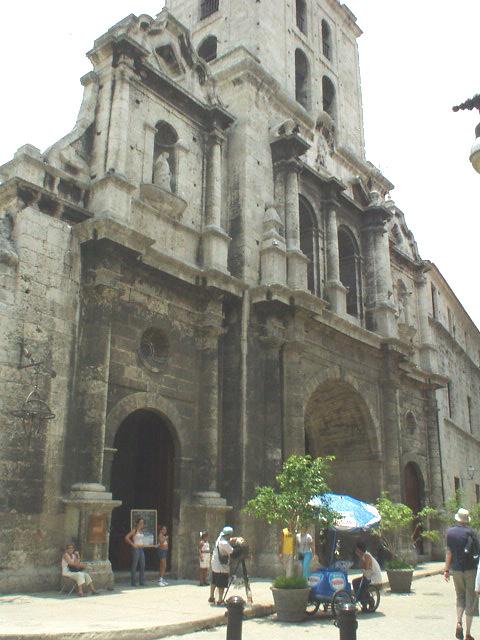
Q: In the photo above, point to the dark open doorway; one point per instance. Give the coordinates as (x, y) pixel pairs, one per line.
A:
(415, 499)
(142, 477)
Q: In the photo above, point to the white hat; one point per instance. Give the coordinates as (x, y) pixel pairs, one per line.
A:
(462, 515)
(227, 531)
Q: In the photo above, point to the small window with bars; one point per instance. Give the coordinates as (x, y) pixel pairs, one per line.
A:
(302, 15)
(207, 7)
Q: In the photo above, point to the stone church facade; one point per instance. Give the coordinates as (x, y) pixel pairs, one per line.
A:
(206, 275)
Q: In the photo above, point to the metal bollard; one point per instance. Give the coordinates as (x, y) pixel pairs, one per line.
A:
(347, 621)
(235, 606)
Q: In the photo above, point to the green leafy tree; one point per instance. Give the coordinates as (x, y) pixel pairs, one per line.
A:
(288, 504)
(395, 528)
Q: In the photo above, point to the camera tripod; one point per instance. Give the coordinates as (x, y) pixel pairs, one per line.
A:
(246, 581)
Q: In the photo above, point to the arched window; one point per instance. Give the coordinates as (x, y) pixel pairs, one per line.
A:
(328, 93)
(309, 244)
(302, 15)
(350, 273)
(164, 156)
(326, 40)
(207, 7)
(208, 49)
(302, 79)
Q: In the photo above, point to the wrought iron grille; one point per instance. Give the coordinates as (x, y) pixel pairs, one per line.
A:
(208, 7)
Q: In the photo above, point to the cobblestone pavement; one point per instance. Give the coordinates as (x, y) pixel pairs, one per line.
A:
(427, 613)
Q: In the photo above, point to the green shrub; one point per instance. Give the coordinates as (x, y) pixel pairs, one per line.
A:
(396, 564)
(294, 582)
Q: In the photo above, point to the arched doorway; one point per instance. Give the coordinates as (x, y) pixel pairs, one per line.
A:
(414, 497)
(338, 422)
(142, 477)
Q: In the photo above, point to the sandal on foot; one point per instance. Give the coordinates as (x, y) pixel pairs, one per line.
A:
(459, 632)
(212, 600)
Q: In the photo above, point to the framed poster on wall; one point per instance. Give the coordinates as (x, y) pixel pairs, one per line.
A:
(150, 528)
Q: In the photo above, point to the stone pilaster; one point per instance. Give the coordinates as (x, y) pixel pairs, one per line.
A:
(437, 492)
(380, 298)
(427, 347)
(119, 121)
(296, 261)
(92, 386)
(215, 239)
(390, 398)
(208, 442)
(148, 151)
(336, 292)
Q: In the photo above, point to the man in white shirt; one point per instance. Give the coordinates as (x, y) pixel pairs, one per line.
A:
(371, 574)
(221, 564)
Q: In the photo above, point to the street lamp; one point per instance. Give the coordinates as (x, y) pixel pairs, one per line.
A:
(473, 103)
(471, 471)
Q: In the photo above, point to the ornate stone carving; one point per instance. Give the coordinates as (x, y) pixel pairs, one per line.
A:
(8, 253)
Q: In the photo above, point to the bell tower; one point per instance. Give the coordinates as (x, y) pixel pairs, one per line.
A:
(308, 47)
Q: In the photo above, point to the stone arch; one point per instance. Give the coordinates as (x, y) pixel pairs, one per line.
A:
(309, 243)
(414, 495)
(302, 79)
(151, 402)
(350, 270)
(338, 421)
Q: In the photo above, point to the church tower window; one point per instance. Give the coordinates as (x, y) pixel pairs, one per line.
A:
(208, 49)
(207, 7)
(326, 40)
(302, 79)
(328, 92)
(302, 15)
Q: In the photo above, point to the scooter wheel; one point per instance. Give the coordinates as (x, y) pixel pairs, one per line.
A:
(312, 607)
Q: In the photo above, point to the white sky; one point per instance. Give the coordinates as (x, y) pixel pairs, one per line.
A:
(418, 58)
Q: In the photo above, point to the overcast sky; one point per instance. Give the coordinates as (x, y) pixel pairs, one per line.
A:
(418, 58)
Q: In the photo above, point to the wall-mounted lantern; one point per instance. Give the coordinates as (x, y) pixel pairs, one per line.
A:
(34, 412)
(473, 103)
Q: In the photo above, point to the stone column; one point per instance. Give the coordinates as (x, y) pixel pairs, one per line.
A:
(215, 239)
(435, 468)
(336, 292)
(427, 348)
(296, 261)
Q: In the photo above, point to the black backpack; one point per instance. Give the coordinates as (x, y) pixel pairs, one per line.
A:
(472, 547)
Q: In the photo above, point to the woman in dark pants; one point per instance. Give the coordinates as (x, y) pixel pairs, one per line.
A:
(135, 539)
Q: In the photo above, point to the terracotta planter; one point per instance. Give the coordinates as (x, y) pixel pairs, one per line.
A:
(290, 604)
(400, 580)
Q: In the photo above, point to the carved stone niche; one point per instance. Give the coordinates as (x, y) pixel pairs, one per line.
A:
(162, 200)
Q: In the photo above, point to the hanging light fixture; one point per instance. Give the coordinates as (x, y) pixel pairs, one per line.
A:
(34, 412)
(473, 103)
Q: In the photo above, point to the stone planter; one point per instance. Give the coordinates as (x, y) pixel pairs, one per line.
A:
(400, 580)
(290, 604)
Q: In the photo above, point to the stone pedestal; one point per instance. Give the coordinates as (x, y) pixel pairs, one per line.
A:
(385, 319)
(110, 197)
(207, 511)
(297, 263)
(336, 294)
(88, 511)
(215, 242)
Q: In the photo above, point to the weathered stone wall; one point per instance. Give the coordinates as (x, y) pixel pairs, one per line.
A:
(39, 308)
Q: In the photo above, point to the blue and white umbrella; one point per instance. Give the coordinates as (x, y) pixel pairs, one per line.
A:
(355, 515)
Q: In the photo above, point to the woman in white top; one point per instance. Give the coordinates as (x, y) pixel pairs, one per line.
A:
(135, 539)
(72, 568)
(305, 550)
(203, 558)
(371, 573)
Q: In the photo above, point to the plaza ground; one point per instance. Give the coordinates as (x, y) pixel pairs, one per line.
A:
(182, 609)
(428, 612)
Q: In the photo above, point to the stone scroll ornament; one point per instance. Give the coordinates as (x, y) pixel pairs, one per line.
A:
(8, 253)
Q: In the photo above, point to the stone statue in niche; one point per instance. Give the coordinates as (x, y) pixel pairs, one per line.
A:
(162, 175)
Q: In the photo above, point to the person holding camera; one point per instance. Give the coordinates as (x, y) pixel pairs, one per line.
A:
(221, 564)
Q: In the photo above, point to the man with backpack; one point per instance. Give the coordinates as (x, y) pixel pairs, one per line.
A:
(221, 564)
(461, 559)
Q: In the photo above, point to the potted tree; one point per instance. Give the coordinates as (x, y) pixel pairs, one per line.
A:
(395, 533)
(288, 504)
